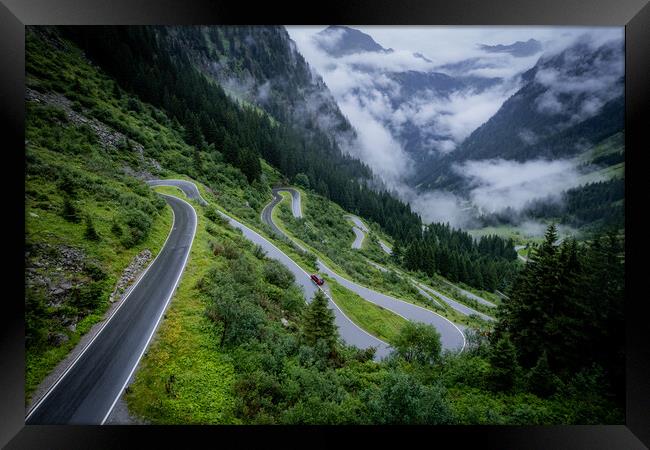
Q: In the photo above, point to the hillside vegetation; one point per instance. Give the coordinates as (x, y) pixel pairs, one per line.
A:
(238, 344)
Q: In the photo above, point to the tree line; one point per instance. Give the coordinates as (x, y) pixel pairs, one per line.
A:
(487, 263)
(565, 314)
(598, 205)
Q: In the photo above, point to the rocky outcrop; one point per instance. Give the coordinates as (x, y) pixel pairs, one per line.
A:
(130, 274)
(55, 269)
(107, 136)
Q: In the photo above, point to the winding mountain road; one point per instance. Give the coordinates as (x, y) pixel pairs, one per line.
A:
(359, 229)
(461, 308)
(348, 330)
(471, 295)
(521, 257)
(187, 187)
(385, 247)
(88, 390)
(427, 291)
(451, 337)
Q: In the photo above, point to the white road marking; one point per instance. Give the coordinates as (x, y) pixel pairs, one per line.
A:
(123, 301)
(162, 312)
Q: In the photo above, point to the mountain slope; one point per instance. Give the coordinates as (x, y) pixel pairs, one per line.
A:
(569, 102)
(408, 102)
(239, 135)
(260, 65)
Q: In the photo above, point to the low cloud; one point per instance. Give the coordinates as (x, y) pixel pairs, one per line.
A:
(497, 184)
(454, 116)
(375, 145)
(531, 228)
(372, 101)
(580, 85)
(440, 206)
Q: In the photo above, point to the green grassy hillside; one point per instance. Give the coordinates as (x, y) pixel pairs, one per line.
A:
(236, 344)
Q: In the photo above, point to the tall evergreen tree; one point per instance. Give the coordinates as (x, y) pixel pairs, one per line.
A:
(503, 361)
(318, 322)
(70, 211)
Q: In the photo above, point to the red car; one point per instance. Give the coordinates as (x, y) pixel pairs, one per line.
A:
(315, 279)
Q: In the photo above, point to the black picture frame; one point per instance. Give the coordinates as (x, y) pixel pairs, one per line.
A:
(633, 14)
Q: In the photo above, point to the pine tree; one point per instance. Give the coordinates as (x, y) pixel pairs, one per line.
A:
(541, 380)
(533, 299)
(193, 134)
(70, 211)
(90, 233)
(504, 366)
(318, 322)
(396, 256)
(198, 161)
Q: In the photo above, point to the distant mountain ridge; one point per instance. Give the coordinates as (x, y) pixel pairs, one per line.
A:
(518, 49)
(569, 102)
(261, 66)
(340, 41)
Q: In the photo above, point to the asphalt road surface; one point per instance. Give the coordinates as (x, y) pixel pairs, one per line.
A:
(385, 248)
(357, 221)
(415, 284)
(187, 187)
(358, 237)
(471, 295)
(461, 308)
(296, 207)
(88, 390)
(359, 229)
(451, 337)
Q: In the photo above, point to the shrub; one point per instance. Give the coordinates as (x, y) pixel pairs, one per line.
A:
(138, 227)
(302, 180)
(240, 319)
(402, 399)
(116, 229)
(211, 214)
(133, 105)
(68, 183)
(277, 274)
(94, 271)
(212, 231)
(419, 343)
(87, 296)
(259, 252)
(293, 301)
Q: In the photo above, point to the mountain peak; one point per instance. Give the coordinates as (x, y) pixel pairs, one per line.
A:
(340, 40)
(517, 49)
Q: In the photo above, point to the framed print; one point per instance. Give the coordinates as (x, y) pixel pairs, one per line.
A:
(374, 219)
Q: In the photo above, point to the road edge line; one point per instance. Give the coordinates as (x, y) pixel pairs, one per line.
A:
(162, 312)
(107, 320)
